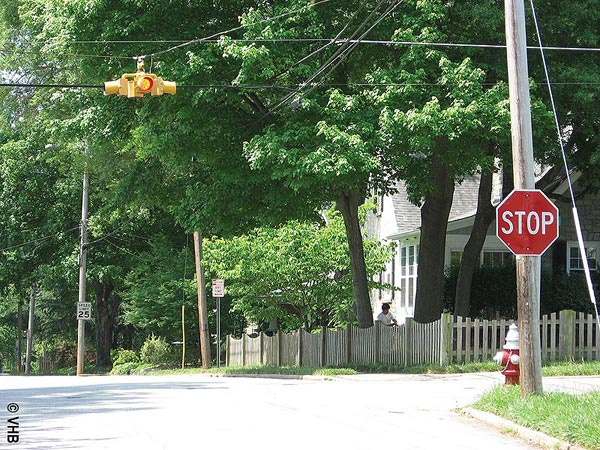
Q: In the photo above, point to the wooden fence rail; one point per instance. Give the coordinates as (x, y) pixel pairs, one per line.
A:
(452, 339)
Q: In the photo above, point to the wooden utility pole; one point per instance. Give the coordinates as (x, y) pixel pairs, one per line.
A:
(82, 268)
(30, 329)
(528, 267)
(183, 336)
(20, 337)
(202, 311)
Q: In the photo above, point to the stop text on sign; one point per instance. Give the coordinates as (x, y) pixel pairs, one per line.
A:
(531, 222)
(527, 222)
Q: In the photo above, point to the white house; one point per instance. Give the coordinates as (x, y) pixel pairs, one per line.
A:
(396, 219)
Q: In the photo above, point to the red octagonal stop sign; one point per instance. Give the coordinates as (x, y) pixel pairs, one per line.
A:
(527, 222)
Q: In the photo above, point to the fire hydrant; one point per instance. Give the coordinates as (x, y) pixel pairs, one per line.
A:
(509, 357)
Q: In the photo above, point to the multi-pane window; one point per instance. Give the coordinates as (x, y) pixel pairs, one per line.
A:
(576, 262)
(497, 258)
(455, 258)
(408, 256)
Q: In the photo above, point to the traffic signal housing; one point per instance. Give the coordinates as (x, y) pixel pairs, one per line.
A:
(139, 84)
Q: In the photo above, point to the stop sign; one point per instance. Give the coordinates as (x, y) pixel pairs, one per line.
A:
(527, 222)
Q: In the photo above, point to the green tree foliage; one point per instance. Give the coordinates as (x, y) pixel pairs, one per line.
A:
(298, 273)
(232, 150)
(157, 286)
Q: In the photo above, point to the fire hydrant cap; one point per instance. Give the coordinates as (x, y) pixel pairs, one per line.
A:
(512, 338)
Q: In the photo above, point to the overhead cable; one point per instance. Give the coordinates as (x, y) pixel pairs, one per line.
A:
(580, 241)
(336, 59)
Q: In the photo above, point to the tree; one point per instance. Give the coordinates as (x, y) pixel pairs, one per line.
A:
(324, 145)
(442, 133)
(140, 163)
(298, 273)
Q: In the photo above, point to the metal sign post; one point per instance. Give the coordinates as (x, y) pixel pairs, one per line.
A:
(218, 291)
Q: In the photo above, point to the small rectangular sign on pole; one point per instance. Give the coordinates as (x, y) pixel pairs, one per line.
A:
(218, 288)
(218, 291)
(84, 310)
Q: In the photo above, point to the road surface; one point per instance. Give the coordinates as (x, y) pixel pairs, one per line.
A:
(196, 411)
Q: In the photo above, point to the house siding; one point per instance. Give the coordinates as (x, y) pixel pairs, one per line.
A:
(589, 214)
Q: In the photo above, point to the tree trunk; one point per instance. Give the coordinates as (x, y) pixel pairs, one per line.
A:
(348, 204)
(472, 251)
(107, 305)
(429, 301)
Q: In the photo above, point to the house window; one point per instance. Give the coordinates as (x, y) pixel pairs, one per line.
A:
(409, 261)
(497, 258)
(455, 258)
(576, 262)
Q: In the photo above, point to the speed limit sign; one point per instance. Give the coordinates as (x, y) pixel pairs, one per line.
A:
(84, 310)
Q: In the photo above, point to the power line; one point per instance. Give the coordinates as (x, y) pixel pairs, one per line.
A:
(327, 44)
(35, 241)
(337, 58)
(192, 41)
(582, 249)
(328, 41)
(212, 40)
(276, 86)
(221, 33)
(49, 85)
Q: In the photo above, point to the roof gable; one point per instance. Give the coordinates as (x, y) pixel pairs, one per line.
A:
(408, 216)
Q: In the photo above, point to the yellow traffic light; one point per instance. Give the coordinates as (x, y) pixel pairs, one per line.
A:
(144, 83)
(139, 84)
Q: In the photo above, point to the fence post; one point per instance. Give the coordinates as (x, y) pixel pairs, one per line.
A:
(243, 349)
(408, 341)
(323, 346)
(300, 344)
(566, 338)
(261, 348)
(227, 350)
(445, 339)
(377, 326)
(348, 344)
(278, 348)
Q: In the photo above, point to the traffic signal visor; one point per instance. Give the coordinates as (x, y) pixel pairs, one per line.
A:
(118, 87)
(164, 87)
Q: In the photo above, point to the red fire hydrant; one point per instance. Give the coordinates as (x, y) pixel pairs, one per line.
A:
(509, 357)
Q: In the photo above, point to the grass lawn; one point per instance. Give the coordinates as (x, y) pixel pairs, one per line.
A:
(572, 418)
(551, 369)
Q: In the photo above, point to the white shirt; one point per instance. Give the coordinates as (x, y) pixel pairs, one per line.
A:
(385, 319)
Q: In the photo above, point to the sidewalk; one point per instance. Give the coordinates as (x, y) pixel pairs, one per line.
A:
(572, 385)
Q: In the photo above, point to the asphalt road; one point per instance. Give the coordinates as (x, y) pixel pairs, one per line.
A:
(180, 412)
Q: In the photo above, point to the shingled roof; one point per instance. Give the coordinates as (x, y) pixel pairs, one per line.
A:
(408, 216)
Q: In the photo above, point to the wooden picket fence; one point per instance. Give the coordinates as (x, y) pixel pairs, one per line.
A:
(450, 340)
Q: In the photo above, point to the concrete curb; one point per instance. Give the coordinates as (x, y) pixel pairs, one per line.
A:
(530, 436)
(274, 376)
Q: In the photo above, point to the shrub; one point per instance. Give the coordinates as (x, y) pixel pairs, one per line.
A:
(156, 350)
(129, 368)
(121, 356)
(493, 292)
